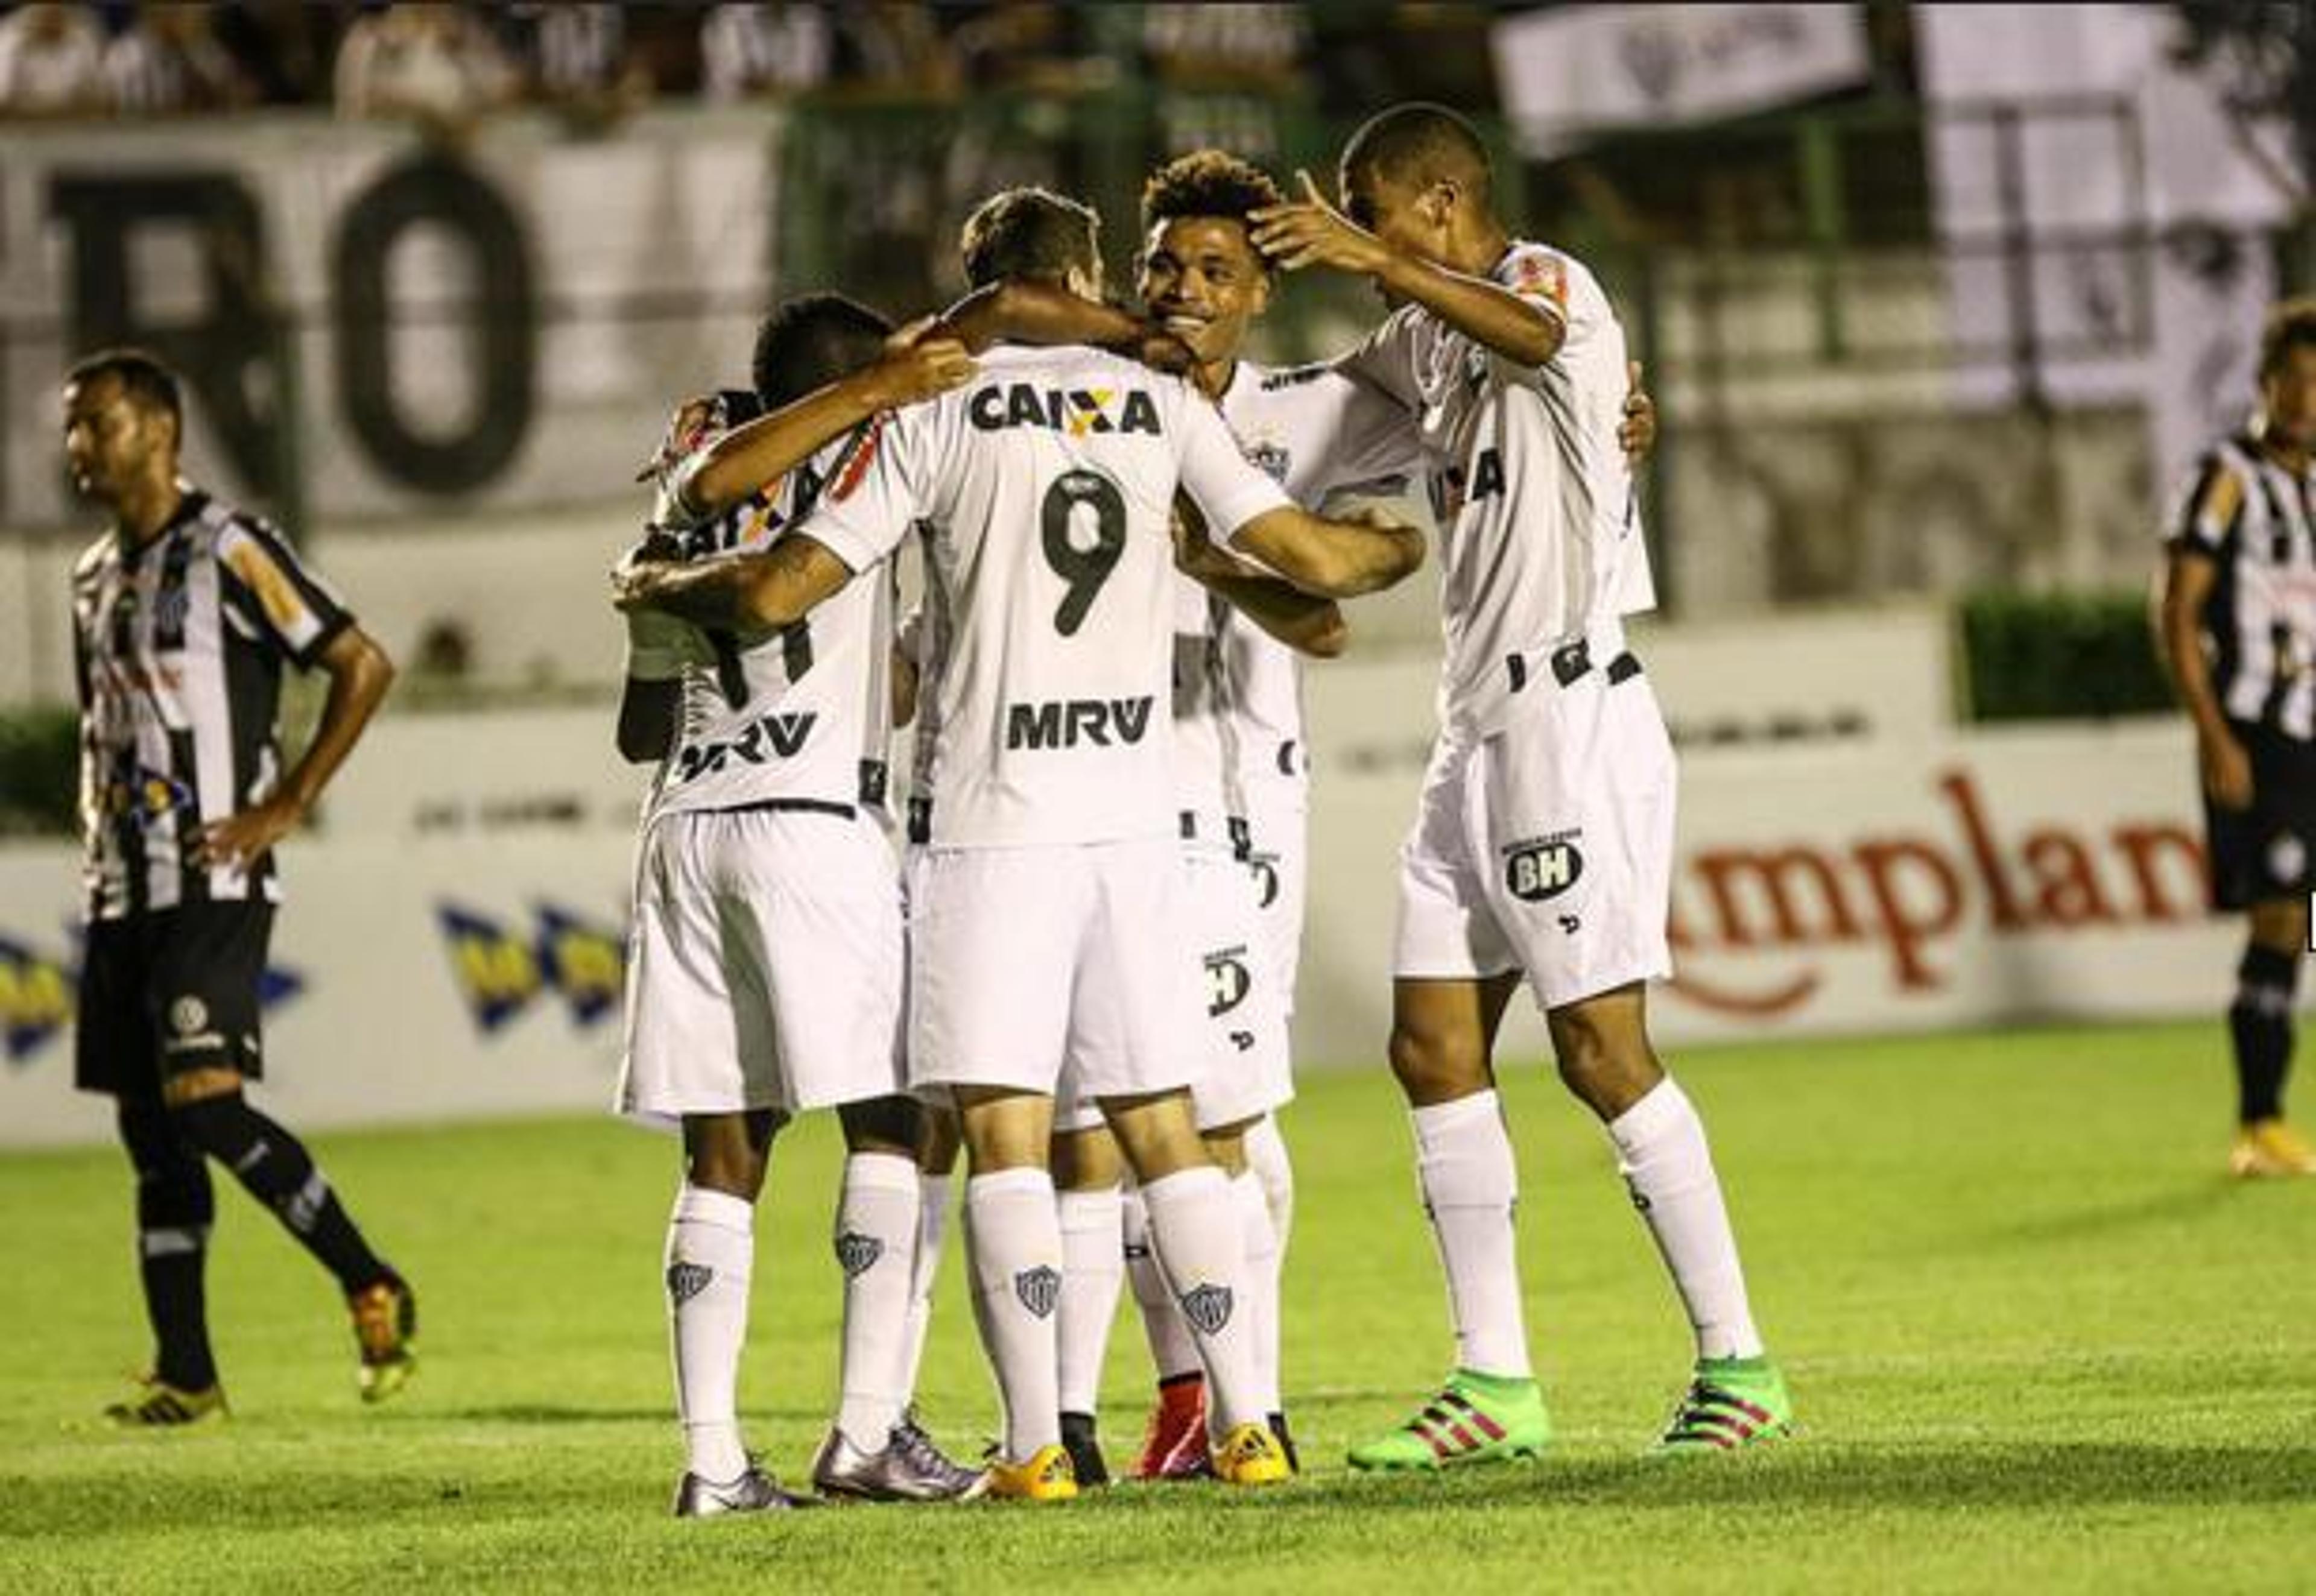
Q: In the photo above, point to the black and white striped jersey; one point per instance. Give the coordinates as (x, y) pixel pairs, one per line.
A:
(2257, 519)
(178, 648)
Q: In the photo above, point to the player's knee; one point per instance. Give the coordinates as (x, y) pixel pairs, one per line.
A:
(880, 1125)
(1603, 1056)
(2281, 926)
(1433, 1065)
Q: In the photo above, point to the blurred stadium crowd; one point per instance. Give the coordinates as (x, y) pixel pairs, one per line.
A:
(454, 64)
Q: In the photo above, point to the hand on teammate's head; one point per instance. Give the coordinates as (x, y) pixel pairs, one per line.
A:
(1311, 231)
(910, 373)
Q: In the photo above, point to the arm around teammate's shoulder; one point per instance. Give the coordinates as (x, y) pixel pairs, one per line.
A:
(1338, 559)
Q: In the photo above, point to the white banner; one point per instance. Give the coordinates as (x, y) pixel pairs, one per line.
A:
(449, 967)
(502, 325)
(1575, 69)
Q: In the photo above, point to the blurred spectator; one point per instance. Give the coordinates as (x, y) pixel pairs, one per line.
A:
(1030, 46)
(285, 47)
(769, 50)
(896, 48)
(52, 63)
(168, 62)
(1248, 48)
(436, 64)
(574, 60)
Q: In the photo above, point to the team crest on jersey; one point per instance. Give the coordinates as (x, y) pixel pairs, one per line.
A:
(1207, 1307)
(857, 1254)
(1538, 868)
(499, 971)
(1272, 460)
(1039, 1289)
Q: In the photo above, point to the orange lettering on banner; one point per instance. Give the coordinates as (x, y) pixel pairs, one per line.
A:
(1909, 893)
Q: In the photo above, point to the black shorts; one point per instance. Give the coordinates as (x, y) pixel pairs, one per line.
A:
(170, 992)
(2266, 852)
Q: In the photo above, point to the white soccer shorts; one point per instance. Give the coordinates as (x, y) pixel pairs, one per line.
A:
(1245, 1066)
(1281, 833)
(765, 965)
(1052, 970)
(1546, 846)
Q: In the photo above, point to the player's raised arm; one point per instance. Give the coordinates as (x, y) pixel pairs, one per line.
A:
(745, 458)
(1310, 232)
(1305, 622)
(1017, 310)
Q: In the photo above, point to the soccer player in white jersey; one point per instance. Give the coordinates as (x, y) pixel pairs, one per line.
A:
(1543, 843)
(1046, 895)
(767, 962)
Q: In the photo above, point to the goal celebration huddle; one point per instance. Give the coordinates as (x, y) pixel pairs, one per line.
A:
(1013, 874)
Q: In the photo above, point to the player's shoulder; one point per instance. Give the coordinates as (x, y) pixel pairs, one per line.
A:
(1547, 271)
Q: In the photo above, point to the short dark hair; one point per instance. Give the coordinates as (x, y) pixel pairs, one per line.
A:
(1209, 183)
(2291, 326)
(1033, 234)
(810, 342)
(1420, 143)
(142, 377)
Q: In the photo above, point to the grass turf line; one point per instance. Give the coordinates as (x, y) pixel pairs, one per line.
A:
(2037, 1340)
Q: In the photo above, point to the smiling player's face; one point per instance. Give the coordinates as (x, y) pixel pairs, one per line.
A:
(1203, 280)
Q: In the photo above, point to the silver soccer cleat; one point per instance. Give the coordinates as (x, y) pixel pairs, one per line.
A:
(753, 1492)
(909, 1469)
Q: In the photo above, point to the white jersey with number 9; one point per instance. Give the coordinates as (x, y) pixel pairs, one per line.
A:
(1045, 489)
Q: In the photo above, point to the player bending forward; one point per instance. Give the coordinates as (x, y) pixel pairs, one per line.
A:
(1045, 898)
(1543, 841)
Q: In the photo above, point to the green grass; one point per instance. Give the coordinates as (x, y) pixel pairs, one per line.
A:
(2038, 1342)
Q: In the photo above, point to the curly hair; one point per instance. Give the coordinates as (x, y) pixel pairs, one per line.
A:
(1209, 183)
(2291, 326)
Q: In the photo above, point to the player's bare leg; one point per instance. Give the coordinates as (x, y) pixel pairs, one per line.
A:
(2259, 1025)
(1196, 1232)
(1089, 1175)
(1601, 1044)
(1442, 1040)
(710, 1258)
(1014, 1242)
(867, 1453)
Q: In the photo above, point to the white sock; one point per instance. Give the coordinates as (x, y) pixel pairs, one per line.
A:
(1662, 1153)
(1093, 1269)
(1266, 1156)
(924, 1267)
(876, 1244)
(1470, 1184)
(710, 1250)
(1262, 1243)
(1171, 1351)
(1015, 1243)
(1194, 1229)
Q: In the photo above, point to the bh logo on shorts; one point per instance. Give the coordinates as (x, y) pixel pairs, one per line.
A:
(1227, 980)
(1039, 1289)
(1538, 868)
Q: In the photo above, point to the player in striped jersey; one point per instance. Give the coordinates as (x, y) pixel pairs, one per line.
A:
(2239, 628)
(1044, 900)
(1542, 842)
(184, 613)
(768, 957)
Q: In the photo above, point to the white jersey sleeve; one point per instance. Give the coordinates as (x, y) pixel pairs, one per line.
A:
(1228, 488)
(875, 492)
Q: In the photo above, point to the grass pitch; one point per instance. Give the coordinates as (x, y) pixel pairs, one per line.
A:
(2038, 1342)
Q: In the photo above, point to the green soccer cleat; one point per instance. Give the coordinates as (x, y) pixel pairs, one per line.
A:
(1476, 1418)
(1731, 1403)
